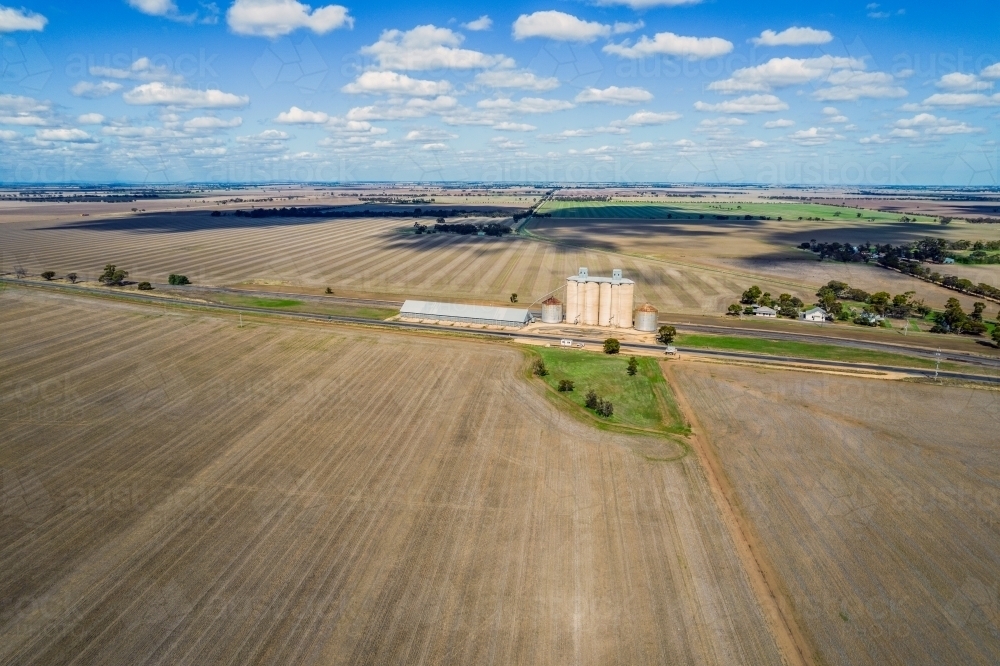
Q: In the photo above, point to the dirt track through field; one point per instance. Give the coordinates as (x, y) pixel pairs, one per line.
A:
(181, 490)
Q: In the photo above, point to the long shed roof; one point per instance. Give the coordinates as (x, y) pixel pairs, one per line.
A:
(429, 309)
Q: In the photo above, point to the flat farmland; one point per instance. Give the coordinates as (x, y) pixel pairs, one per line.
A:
(760, 249)
(355, 257)
(876, 503)
(177, 489)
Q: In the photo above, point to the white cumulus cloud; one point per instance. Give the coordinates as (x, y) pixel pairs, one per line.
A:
(142, 69)
(484, 22)
(274, 18)
(393, 83)
(793, 37)
(90, 119)
(429, 47)
(645, 118)
(205, 123)
(515, 79)
(525, 105)
(66, 135)
(297, 116)
(613, 95)
(559, 26)
(154, 7)
(17, 20)
(157, 93)
(782, 72)
(507, 126)
(91, 90)
(667, 43)
(780, 122)
(747, 104)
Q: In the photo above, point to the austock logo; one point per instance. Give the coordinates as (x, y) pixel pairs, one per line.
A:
(24, 64)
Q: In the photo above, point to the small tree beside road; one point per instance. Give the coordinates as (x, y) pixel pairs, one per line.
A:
(112, 276)
(666, 334)
(612, 346)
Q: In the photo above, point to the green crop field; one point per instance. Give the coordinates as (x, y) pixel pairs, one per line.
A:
(294, 305)
(642, 401)
(808, 350)
(731, 210)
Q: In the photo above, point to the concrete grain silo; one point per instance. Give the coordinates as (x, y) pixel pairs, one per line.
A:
(599, 301)
(591, 303)
(572, 302)
(647, 319)
(604, 310)
(552, 311)
(625, 304)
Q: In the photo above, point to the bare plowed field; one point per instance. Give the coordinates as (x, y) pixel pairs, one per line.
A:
(876, 503)
(353, 256)
(177, 489)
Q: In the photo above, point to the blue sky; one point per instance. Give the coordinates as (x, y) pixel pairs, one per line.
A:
(822, 93)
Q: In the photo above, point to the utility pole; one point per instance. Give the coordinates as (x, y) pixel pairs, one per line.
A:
(241, 320)
(937, 363)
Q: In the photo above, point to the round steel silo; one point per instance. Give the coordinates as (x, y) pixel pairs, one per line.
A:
(647, 319)
(552, 311)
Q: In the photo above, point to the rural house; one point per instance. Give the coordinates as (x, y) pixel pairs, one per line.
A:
(813, 314)
(764, 311)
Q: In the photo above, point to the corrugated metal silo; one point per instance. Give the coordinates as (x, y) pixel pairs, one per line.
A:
(604, 311)
(552, 311)
(591, 303)
(647, 319)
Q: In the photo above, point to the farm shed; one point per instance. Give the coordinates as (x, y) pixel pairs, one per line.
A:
(483, 315)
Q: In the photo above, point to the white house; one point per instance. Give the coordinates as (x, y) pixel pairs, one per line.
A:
(814, 314)
(764, 311)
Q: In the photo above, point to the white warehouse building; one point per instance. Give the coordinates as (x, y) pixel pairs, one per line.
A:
(600, 301)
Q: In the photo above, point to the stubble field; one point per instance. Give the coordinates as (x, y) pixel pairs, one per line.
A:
(180, 490)
(876, 502)
(356, 257)
(762, 250)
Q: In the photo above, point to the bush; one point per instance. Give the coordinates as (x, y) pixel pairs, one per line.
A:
(538, 368)
(329, 291)
(633, 367)
(735, 310)
(591, 401)
(565, 385)
(71, 277)
(178, 279)
(145, 286)
(112, 276)
(612, 346)
(48, 275)
(605, 408)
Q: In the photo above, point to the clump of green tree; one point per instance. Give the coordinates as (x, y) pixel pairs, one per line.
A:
(955, 320)
(72, 277)
(666, 334)
(48, 275)
(612, 346)
(112, 276)
(538, 368)
(786, 305)
(633, 367)
(566, 385)
(601, 406)
(176, 279)
(879, 304)
(145, 286)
